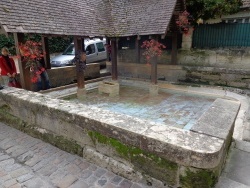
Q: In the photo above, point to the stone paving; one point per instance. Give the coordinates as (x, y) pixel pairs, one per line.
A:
(28, 162)
(170, 108)
(237, 170)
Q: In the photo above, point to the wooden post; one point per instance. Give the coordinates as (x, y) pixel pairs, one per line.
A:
(24, 72)
(138, 50)
(154, 66)
(174, 49)
(114, 58)
(108, 49)
(45, 45)
(79, 71)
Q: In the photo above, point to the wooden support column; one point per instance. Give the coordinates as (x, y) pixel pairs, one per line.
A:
(78, 42)
(138, 50)
(108, 49)
(46, 53)
(154, 66)
(174, 49)
(24, 72)
(114, 58)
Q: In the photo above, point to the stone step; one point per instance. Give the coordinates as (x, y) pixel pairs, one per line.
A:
(242, 145)
(225, 182)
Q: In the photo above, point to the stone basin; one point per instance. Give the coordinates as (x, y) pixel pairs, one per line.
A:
(137, 148)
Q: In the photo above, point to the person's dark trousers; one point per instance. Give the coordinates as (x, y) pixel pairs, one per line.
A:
(43, 82)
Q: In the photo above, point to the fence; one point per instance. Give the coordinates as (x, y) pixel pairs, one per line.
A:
(222, 35)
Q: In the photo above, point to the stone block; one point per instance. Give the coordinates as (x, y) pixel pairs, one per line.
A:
(81, 93)
(153, 89)
(229, 77)
(222, 127)
(211, 77)
(246, 135)
(225, 182)
(237, 84)
(67, 181)
(109, 87)
(61, 76)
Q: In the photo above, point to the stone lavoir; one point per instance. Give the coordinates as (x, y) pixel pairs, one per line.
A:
(132, 147)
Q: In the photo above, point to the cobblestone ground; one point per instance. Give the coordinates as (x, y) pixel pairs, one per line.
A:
(28, 162)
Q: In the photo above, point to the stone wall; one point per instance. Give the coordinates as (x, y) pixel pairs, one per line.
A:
(129, 56)
(67, 75)
(135, 148)
(143, 71)
(222, 58)
(239, 78)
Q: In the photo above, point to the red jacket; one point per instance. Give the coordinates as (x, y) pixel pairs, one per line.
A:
(5, 69)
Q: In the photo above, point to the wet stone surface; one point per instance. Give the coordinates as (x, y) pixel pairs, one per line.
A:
(180, 110)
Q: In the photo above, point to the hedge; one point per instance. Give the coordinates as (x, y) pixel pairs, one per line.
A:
(56, 44)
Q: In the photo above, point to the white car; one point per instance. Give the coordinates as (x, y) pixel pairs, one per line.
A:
(95, 51)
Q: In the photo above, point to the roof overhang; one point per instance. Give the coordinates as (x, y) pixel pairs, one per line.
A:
(2, 30)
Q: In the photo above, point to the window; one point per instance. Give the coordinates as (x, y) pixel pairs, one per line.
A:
(100, 47)
(90, 49)
(70, 50)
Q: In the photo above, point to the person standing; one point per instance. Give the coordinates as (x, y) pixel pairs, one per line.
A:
(7, 66)
(43, 80)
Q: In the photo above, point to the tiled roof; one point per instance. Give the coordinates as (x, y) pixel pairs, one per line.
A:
(71, 17)
(87, 17)
(245, 3)
(131, 17)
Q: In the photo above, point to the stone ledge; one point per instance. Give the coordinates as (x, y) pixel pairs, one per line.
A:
(75, 121)
(218, 120)
(150, 136)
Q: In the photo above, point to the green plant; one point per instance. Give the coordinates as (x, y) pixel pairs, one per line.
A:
(206, 9)
(8, 42)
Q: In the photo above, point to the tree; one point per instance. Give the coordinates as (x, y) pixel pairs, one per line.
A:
(206, 9)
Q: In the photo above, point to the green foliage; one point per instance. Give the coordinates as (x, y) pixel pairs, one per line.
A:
(206, 9)
(56, 44)
(7, 42)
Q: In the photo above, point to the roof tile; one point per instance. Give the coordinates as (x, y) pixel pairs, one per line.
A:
(87, 18)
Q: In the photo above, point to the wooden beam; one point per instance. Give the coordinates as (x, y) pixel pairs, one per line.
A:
(154, 70)
(114, 58)
(78, 43)
(24, 72)
(45, 44)
(174, 49)
(154, 66)
(108, 49)
(137, 50)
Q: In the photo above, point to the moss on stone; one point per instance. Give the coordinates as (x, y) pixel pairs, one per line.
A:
(70, 97)
(198, 179)
(58, 141)
(142, 160)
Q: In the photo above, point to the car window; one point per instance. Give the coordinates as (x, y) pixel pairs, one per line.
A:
(91, 48)
(70, 50)
(100, 47)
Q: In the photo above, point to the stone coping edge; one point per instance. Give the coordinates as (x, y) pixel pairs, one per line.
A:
(181, 146)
